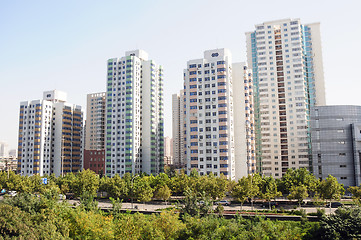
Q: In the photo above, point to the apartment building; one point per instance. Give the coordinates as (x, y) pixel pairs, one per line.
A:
(50, 136)
(134, 115)
(286, 61)
(94, 147)
(177, 129)
(243, 102)
(210, 128)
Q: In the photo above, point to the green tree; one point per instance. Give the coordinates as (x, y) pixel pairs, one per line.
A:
(143, 192)
(244, 189)
(179, 183)
(86, 181)
(298, 177)
(330, 189)
(66, 183)
(356, 194)
(344, 224)
(116, 187)
(268, 189)
(163, 193)
(299, 193)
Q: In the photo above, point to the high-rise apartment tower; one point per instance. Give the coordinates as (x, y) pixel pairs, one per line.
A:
(177, 129)
(209, 126)
(50, 136)
(286, 59)
(94, 150)
(134, 115)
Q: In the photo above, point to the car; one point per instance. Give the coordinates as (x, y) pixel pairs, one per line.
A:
(12, 193)
(223, 202)
(335, 205)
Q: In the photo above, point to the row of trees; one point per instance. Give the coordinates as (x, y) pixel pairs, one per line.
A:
(29, 216)
(295, 184)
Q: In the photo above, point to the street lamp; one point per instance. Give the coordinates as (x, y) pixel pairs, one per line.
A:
(132, 182)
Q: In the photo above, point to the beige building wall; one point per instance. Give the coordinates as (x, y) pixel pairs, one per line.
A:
(95, 124)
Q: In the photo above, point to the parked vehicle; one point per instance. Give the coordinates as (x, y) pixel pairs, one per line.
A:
(12, 193)
(223, 202)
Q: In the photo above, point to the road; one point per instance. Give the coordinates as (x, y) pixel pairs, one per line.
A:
(233, 207)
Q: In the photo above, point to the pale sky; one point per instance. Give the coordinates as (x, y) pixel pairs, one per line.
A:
(64, 45)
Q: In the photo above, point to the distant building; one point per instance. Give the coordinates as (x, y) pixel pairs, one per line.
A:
(134, 115)
(13, 153)
(4, 149)
(286, 60)
(168, 151)
(8, 163)
(94, 149)
(178, 129)
(336, 143)
(50, 136)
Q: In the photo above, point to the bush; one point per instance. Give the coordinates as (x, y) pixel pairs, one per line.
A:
(345, 223)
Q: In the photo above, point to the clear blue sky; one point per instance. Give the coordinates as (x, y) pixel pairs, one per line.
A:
(64, 45)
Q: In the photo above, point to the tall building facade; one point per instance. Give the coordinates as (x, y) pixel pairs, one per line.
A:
(50, 136)
(336, 143)
(245, 152)
(178, 129)
(134, 115)
(94, 150)
(286, 59)
(168, 151)
(209, 127)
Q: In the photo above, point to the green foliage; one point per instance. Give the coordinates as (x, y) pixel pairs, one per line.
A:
(299, 193)
(344, 224)
(163, 193)
(166, 225)
(87, 201)
(197, 203)
(356, 194)
(86, 181)
(269, 189)
(298, 177)
(211, 227)
(330, 189)
(142, 190)
(116, 187)
(247, 187)
(116, 206)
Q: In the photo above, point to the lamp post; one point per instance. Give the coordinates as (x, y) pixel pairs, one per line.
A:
(132, 183)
